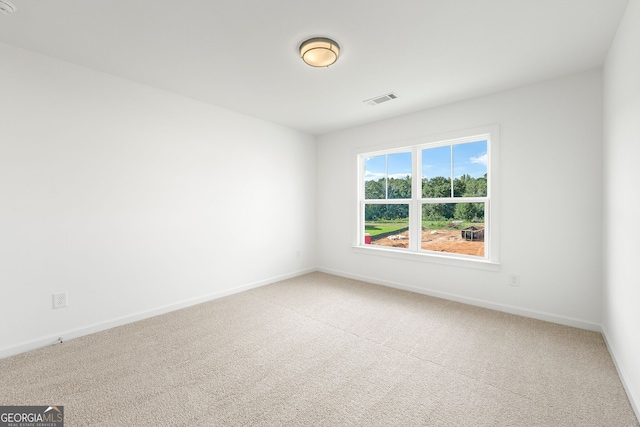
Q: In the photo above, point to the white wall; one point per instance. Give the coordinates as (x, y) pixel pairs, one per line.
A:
(551, 195)
(621, 311)
(135, 201)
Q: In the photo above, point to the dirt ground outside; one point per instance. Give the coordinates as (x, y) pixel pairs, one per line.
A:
(441, 240)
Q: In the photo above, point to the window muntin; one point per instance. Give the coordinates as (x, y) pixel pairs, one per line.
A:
(436, 172)
(447, 212)
(446, 169)
(388, 176)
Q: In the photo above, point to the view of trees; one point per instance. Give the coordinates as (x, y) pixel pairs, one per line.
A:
(437, 187)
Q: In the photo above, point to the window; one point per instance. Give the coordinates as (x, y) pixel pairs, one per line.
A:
(433, 199)
(387, 193)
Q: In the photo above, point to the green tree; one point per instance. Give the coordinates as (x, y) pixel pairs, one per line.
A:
(400, 188)
(393, 188)
(375, 212)
(469, 212)
(460, 185)
(476, 187)
(374, 189)
(438, 186)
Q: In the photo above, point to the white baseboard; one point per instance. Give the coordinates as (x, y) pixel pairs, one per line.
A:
(97, 327)
(549, 317)
(633, 399)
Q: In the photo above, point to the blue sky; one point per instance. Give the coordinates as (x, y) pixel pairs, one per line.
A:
(469, 158)
(399, 166)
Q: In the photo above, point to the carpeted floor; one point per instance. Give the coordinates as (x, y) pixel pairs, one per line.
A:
(320, 350)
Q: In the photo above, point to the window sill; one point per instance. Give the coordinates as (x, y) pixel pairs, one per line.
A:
(479, 264)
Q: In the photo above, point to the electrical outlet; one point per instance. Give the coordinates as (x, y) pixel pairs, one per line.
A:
(60, 300)
(514, 280)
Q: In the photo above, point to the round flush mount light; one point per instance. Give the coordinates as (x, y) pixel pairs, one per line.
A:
(319, 52)
(6, 7)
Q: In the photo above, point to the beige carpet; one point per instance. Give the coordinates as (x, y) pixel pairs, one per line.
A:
(319, 350)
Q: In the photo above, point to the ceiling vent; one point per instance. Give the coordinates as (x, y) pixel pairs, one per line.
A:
(380, 99)
(6, 7)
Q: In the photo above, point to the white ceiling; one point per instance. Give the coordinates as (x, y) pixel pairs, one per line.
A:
(243, 54)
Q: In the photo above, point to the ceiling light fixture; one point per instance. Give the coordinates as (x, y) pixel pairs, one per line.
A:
(6, 7)
(319, 52)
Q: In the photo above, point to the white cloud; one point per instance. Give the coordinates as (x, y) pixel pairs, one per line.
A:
(400, 175)
(482, 159)
(374, 176)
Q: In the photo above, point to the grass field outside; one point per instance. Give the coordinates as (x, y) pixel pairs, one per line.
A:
(450, 225)
(377, 228)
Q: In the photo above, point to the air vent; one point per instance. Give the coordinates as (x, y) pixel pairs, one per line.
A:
(6, 7)
(380, 99)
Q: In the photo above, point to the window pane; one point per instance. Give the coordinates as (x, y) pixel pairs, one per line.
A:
(399, 183)
(456, 228)
(436, 172)
(470, 169)
(375, 174)
(387, 225)
(388, 176)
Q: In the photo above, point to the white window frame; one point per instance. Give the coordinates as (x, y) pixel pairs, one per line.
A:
(414, 252)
